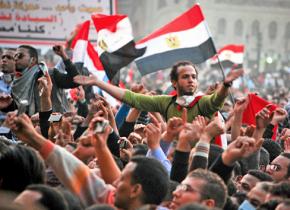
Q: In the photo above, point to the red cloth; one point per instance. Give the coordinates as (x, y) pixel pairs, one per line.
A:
(256, 104)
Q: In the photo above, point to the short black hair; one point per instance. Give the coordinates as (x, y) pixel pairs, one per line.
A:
(282, 189)
(174, 72)
(262, 176)
(153, 178)
(273, 148)
(214, 187)
(264, 157)
(286, 155)
(100, 207)
(51, 198)
(20, 166)
(272, 204)
(32, 51)
(194, 206)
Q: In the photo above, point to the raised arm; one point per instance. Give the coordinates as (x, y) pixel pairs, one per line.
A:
(115, 91)
(239, 108)
(223, 90)
(72, 172)
(64, 80)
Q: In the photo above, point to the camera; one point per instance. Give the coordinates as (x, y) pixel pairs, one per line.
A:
(43, 67)
(55, 117)
(123, 144)
(56, 48)
(101, 126)
(22, 107)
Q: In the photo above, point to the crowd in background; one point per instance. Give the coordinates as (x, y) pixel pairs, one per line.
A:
(102, 157)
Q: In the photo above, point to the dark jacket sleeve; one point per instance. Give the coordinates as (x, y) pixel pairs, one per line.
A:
(43, 122)
(221, 169)
(63, 80)
(198, 162)
(113, 145)
(268, 133)
(179, 166)
(83, 109)
(126, 128)
(79, 131)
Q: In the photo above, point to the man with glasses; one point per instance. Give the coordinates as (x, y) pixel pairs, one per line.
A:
(25, 85)
(200, 186)
(279, 168)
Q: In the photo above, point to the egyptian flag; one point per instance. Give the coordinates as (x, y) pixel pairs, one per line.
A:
(229, 56)
(185, 38)
(116, 46)
(255, 105)
(86, 56)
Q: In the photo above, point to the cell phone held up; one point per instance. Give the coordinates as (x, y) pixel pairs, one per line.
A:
(100, 126)
(55, 117)
(123, 144)
(22, 107)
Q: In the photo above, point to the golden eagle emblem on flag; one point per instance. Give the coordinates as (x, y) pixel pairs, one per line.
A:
(102, 44)
(172, 41)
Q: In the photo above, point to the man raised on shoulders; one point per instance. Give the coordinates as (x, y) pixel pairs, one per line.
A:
(184, 78)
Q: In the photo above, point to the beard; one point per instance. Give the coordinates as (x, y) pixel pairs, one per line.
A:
(20, 68)
(186, 93)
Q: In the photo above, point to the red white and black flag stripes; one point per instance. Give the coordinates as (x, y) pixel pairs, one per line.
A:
(185, 38)
(229, 55)
(116, 46)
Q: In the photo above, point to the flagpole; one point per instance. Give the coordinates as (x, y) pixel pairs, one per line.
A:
(224, 76)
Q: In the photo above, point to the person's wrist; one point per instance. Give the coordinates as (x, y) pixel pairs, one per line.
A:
(227, 158)
(227, 84)
(205, 137)
(153, 146)
(183, 145)
(168, 137)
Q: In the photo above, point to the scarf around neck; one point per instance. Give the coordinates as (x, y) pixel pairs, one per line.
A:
(23, 88)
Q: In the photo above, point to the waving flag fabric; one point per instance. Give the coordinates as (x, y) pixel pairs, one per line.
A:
(86, 56)
(185, 38)
(116, 46)
(230, 55)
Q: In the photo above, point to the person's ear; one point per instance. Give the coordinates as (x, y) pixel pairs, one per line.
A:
(209, 202)
(32, 61)
(173, 82)
(136, 191)
(238, 178)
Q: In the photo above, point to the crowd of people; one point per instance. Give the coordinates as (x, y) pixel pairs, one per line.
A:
(153, 151)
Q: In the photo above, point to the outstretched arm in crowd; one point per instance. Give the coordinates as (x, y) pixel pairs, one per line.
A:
(45, 87)
(64, 80)
(279, 116)
(263, 118)
(213, 129)
(115, 91)
(109, 169)
(223, 90)
(239, 108)
(73, 174)
(187, 139)
(153, 134)
(242, 147)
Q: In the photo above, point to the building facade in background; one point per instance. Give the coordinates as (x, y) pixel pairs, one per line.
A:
(262, 26)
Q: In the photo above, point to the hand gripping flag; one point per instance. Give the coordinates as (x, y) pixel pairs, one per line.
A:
(185, 38)
(116, 46)
(255, 105)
